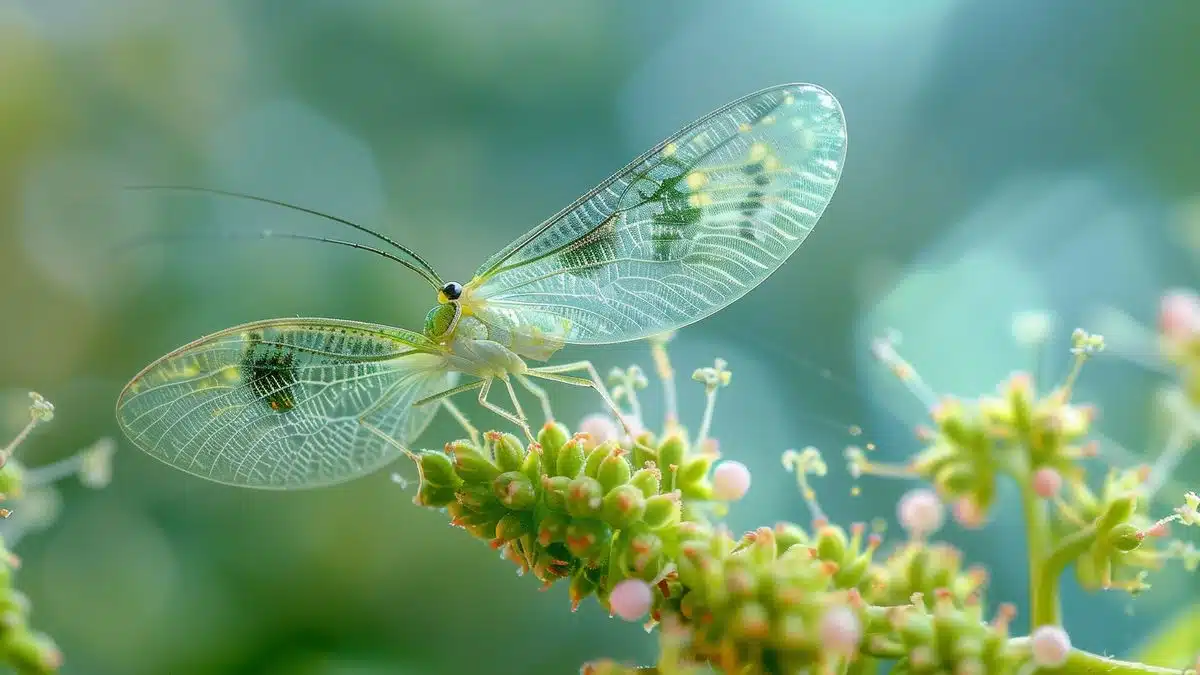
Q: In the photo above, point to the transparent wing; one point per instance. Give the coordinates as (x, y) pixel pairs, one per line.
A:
(285, 404)
(681, 232)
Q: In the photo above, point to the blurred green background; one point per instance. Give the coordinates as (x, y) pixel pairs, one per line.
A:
(1004, 156)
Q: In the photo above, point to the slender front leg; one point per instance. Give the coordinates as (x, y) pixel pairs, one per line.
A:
(541, 395)
(555, 373)
(451, 392)
(519, 421)
(462, 420)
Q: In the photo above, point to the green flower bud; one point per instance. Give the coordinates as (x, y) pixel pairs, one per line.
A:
(643, 453)
(470, 464)
(585, 497)
(476, 497)
(1125, 537)
(831, 544)
(662, 511)
(751, 621)
(788, 535)
(700, 491)
(437, 469)
(592, 465)
(552, 437)
(850, 576)
(916, 628)
(514, 490)
(571, 458)
(1119, 510)
(647, 480)
(531, 466)
(646, 439)
(509, 452)
(740, 581)
(671, 452)
(688, 605)
(694, 470)
(29, 652)
(12, 479)
(613, 470)
(555, 491)
(641, 556)
(587, 539)
(513, 526)
(793, 632)
(582, 585)
(552, 528)
(433, 496)
(481, 525)
(623, 506)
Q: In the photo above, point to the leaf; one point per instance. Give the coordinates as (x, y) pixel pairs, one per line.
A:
(1176, 643)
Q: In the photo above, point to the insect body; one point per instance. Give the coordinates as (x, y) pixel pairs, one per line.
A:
(679, 233)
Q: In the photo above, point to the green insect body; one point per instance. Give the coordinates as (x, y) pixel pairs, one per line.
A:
(681, 232)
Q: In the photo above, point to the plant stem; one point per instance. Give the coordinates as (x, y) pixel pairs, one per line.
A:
(1080, 662)
(1086, 662)
(1037, 536)
(1045, 586)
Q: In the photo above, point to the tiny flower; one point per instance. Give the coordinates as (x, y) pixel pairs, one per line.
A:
(921, 512)
(600, 428)
(631, 599)
(39, 408)
(1179, 313)
(1049, 646)
(841, 631)
(968, 514)
(1047, 482)
(731, 481)
(713, 376)
(1189, 513)
(1084, 343)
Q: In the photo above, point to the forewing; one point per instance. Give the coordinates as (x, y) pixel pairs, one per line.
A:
(681, 232)
(285, 404)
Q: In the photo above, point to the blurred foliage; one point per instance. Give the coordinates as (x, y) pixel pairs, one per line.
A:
(1003, 157)
(1174, 645)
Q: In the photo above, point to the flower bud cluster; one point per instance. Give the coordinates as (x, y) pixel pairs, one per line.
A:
(947, 637)
(29, 491)
(642, 541)
(1125, 546)
(566, 508)
(973, 440)
(930, 570)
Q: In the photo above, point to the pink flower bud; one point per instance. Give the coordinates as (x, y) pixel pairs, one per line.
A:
(1047, 482)
(967, 514)
(840, 631)
(1179, 313)
(920, 512)
(1049, 646)
(600, 428)
(631, 599)
(731, 481)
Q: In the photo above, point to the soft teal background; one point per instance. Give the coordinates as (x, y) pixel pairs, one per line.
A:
(1004, 156)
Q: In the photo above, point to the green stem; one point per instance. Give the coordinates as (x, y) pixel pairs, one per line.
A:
(1080, 662)
(1045, 586)
(1086, 662)
(1037, 535)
